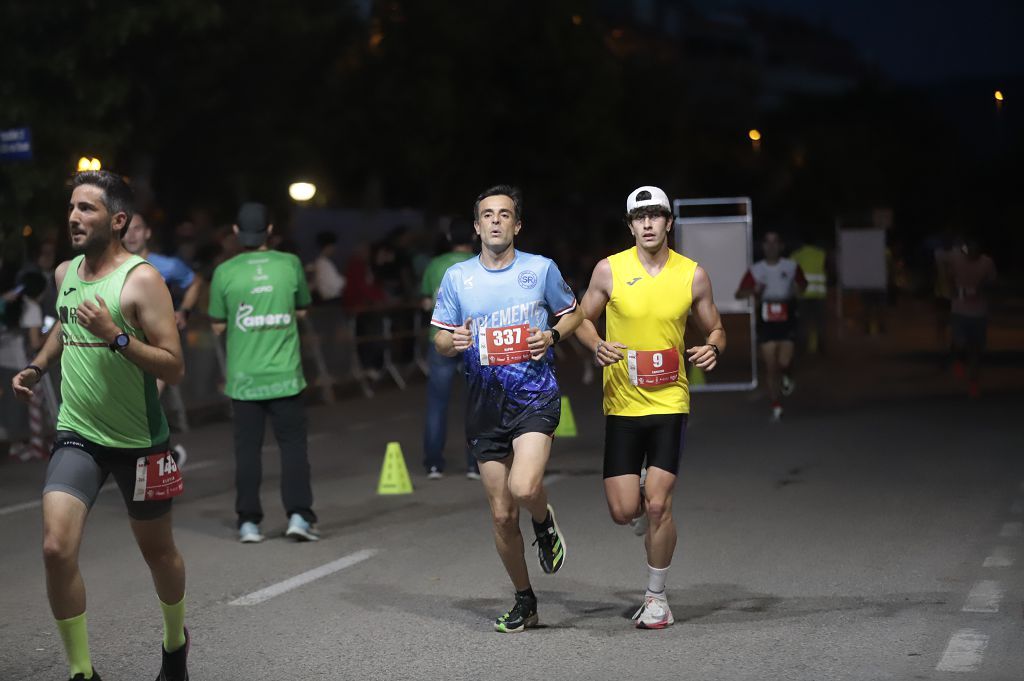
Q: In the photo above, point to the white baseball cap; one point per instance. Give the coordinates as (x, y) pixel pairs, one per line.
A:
(647, 196)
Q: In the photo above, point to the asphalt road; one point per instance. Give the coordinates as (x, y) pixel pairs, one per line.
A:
(875, 534)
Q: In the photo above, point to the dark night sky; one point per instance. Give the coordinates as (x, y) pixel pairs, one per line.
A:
(922, 40)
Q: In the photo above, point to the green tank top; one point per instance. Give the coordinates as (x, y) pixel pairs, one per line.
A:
(104, 397)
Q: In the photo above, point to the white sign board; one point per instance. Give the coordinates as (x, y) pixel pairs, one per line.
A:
(862, 259)
(722, 247)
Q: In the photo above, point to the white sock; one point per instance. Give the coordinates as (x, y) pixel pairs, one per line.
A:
(656, 581)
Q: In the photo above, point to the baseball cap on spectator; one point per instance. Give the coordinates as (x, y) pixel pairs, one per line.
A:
(252, 224)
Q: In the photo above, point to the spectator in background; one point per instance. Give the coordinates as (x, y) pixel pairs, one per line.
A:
(442, 369)
(181, 280)
(20, 338)
(811, 258)
(328, 282)
(392, 268)
(256, 299)
(360, 297)
(971, 275)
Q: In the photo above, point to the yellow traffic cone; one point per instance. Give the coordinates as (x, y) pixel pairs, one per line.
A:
(567, 424)
(394, 476)
(696, 375)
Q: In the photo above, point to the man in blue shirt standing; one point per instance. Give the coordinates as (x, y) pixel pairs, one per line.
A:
(181, 280)
(494, 309)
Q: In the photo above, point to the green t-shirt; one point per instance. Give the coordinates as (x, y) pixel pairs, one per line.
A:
(434, 275)
(256, 294)
(105, 397)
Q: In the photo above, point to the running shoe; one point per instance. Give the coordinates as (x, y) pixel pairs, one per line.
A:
(776, 412)
(173, 666)
(473, 475)
(522, 616)
(180, 456)
(301, 529)
(81, 677)
(249, 533)
(654, 614)
(434, 473)
(550, 544)
(788, 385)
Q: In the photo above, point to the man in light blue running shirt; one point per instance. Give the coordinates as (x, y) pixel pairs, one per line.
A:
(495, 308)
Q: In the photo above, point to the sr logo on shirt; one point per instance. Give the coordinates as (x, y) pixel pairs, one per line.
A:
(527, 279)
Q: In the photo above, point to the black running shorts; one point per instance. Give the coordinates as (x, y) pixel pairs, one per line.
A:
(80, 467)
(497, 442)
(628, 440)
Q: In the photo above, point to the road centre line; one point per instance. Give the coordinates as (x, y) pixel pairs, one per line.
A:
(36, 503)
(304, 578)
(964, 652)
(1001, 556)
(984, 596)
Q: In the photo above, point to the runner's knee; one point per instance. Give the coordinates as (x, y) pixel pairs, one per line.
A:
(658, 511)
(58, 550)
(506, 520)
(524, 490)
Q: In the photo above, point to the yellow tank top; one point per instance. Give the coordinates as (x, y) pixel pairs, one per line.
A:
(647, 313)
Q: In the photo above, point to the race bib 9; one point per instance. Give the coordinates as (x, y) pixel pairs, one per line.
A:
(651, 368)
(774, 312)
(157, 478)
(504, 345)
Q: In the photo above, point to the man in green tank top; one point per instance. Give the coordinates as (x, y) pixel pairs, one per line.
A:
(115, 337)
(256, 298)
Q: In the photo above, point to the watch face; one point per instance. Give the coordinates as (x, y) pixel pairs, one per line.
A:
(121, 340)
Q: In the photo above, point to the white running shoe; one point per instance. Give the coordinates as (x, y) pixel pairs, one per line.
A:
(249, 533)
(301, 529)
(776, 413)
(473, 475)
(654, 614)
(434, 474)
(788, 385)
(640, 525)
(180, 456)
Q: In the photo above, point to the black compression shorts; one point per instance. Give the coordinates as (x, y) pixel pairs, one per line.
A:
(628, 440)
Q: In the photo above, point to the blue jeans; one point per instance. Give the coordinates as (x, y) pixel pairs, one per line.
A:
(439, 390)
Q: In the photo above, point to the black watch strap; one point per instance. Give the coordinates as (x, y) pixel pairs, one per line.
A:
(555, 336)
(714, 349)
(33, 367)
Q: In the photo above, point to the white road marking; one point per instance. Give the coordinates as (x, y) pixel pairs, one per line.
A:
(964, 652)
(304, 578)
(984, 596)
(1013, 529)
(36, 503)
(1017, 507)
(1002, 556)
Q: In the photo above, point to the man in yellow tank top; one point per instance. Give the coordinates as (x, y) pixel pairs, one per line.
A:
(646, 293)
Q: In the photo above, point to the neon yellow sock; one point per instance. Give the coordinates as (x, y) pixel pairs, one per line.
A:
(174, 625)
(74, 632)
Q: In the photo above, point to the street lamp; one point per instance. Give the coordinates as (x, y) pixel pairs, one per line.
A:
(999, 95)
(86, 163)
(754, 135)
(301, 191)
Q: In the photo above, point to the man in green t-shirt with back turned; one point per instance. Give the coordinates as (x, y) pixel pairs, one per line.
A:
(442, 369)
(257, 298)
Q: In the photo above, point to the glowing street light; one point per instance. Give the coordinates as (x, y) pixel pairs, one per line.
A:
(754, 134)
(301, 191)
(999, 95)
(86, 163)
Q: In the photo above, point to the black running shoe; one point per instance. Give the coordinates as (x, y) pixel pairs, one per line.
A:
(81, 677)
(173, 667)
(522, 616)
(550, 544)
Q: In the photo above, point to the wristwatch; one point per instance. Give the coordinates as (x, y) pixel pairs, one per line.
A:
(555, 336)
(714, 349)
(121, 341)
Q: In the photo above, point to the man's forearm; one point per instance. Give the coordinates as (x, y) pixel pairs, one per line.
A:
(49, 354)
(191, 296)
(155, 361)
(568, 323)
(444, 345)
(588, 335)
